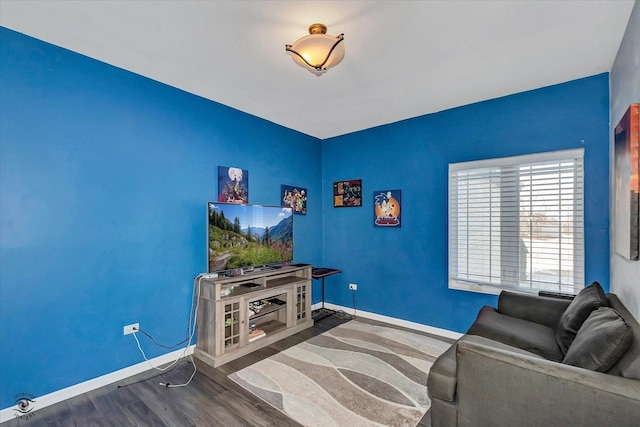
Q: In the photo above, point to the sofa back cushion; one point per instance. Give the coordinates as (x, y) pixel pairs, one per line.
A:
(588, 299)
(601, 341)
(539, 309)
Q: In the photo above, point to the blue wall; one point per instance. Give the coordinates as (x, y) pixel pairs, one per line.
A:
(402, 273)
(104, 179)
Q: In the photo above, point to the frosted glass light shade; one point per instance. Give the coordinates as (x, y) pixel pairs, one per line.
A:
(317, 52)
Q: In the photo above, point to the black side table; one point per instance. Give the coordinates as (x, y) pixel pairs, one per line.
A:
(321, 273)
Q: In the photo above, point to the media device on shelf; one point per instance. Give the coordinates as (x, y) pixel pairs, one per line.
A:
(244, 237)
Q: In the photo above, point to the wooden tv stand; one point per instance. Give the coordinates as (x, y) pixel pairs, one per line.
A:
(276, 300)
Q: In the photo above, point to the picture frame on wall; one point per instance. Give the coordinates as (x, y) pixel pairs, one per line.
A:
(386, 208)
(233, 185)
(295, 198)
(627, 185)
(347, 193)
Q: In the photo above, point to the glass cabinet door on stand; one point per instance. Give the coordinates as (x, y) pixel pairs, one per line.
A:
(301, 302)
(232, 323)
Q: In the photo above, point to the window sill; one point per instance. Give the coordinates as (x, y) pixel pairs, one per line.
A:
(474, 287)
(486, 289)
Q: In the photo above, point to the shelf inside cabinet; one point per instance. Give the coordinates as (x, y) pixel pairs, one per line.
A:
(282, 281)
(231, 290)
(272, 326)
(271, 308)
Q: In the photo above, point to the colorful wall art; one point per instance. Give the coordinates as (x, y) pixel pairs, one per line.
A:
(347, 194)
(386, 208)
(233, 185)
(295, 198)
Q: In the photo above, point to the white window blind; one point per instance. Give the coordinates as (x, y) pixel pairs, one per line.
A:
(517, 223)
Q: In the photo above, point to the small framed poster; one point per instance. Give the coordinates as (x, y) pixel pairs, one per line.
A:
(295, 198)
(386, 208)
(347, 194)
(233, 185)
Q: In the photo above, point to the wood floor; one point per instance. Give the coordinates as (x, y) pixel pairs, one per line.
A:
(210, 400)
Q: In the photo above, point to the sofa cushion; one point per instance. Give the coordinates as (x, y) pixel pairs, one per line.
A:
(529, 336)
(587, 300)
(601, 341)
(442, 381)
(629, 364)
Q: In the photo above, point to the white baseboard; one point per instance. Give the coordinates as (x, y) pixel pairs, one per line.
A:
(84, 387)
(393, 321)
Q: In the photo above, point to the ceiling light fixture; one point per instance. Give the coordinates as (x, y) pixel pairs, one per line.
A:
(317, 52)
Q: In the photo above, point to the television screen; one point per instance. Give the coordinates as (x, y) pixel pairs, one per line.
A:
(248, 235)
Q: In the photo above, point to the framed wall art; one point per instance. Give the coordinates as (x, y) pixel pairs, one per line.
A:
(295, 198)
(627, 187)
(386, 208)
(233, 185)
(347, 194)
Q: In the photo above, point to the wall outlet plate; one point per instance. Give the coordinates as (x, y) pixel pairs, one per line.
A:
(129, 329)
(353, 286)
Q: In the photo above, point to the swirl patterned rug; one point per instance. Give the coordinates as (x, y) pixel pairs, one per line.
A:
(355, 374)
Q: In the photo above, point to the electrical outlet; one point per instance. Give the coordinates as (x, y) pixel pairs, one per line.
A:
(129, 329)
(353, 286)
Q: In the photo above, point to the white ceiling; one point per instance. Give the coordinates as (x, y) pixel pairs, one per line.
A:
(403, 58)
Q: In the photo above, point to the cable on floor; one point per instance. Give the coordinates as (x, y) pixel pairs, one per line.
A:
(191, 329)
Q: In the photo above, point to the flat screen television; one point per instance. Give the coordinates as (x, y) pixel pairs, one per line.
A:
(242, 236)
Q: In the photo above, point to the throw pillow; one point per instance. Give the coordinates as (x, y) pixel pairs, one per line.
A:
(587, 300)
(601, 341)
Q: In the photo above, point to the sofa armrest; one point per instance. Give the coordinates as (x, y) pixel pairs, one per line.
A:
(499, 387)
(538, 309)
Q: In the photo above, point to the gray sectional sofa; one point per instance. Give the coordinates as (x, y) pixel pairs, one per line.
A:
(542, 361)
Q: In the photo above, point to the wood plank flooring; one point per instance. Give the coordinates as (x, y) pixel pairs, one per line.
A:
(210, 400)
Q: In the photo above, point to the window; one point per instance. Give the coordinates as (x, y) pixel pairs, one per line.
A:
(517, 223)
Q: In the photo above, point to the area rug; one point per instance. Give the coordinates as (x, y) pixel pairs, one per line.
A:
(355, 374)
